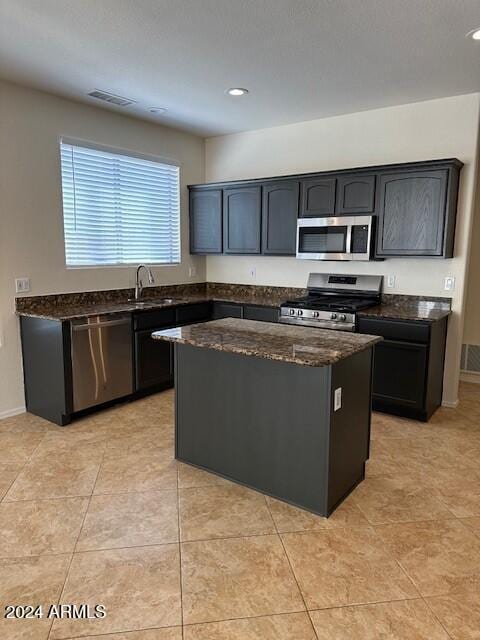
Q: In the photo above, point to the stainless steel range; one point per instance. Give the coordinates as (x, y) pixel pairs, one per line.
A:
(332, 301)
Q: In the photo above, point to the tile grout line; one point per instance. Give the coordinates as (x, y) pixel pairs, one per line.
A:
(436, 617)
(180, 558)
(22, 467)
(421, 597)
(291, 568)
(76, 542)
(127, 633)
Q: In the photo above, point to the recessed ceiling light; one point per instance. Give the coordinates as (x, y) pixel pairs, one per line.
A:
(236, 91)
(474, 34)
(157, 110)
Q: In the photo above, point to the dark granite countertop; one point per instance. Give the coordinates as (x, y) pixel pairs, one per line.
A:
(287, 343)
(63, 313)
(419, 312)
(64, 307)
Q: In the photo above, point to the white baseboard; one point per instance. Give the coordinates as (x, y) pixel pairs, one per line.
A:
(450, 405)
(11, 412)
(468, 376)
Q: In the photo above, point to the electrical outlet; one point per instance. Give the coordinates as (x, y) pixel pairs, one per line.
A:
(22, 285)
(192, 272)
(253, 272)
(449, 283)
(337, 402)
(391, 281)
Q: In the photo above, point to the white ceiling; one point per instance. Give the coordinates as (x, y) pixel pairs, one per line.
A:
(300, 59)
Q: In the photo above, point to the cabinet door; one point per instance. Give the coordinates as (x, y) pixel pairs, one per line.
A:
(206, 221)
(153, 361)
(279, 218)
(227, 310)
(400, 371)
(192, 313)
(317, 197)
(264, 314)
(356, 194)
(411, 211)
(241, 220)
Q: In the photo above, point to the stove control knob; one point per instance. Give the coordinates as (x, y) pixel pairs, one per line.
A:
(299, 312)
(315, 314)
(343, 317)
(292, 312)
(333, 316)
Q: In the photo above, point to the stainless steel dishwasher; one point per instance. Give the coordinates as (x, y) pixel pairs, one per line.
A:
(102, 364)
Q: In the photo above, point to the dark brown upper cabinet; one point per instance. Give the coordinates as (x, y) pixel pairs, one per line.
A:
(206, 221)
(355, 194)
(279, 218)
(317, 197)
(416, 212)
(414, 204)
(242, 219)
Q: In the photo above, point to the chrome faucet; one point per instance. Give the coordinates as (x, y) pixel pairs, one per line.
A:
(139, 283)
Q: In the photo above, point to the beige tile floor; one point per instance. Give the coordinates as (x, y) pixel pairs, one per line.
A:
(100, 513)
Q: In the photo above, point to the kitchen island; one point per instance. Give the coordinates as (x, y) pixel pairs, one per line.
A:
(282, 409)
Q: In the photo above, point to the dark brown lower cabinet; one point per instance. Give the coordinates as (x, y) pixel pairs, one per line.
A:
(399, 373)
(408, 366)
(246, 311)
(153, 362)
(154, 358)
(227, 310)
(264, 314)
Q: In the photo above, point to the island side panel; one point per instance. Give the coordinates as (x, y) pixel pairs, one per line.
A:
(47, 368)
(350, 425)
(260, 422)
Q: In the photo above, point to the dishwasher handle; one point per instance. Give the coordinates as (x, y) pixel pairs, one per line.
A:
(98, 325)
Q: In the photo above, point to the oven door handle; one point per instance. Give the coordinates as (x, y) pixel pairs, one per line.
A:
(349, 240)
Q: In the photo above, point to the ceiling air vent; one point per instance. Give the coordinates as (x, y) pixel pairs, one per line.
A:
(111, 98)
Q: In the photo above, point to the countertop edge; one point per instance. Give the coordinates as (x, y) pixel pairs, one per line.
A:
(252, 353)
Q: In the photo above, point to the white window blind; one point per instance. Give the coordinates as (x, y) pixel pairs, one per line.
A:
(119, 209)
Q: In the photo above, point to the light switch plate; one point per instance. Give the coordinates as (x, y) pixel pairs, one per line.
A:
(253, 272)
(391, 281)
(192, 272)
(337, 401)
(22, 285)
(449, 283)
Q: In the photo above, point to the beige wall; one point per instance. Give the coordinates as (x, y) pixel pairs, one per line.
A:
(31, 227)
(422, 131)
(472, 312)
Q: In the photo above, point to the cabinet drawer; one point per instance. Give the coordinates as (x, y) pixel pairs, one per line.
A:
(227, 310)
(264, 314)
(395, 329)
(194, 312)
(154, 319)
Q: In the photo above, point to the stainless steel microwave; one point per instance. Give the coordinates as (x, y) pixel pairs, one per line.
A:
(335, 238)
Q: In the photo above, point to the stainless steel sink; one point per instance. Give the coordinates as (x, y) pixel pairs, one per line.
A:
(153, 301)
(168, 300)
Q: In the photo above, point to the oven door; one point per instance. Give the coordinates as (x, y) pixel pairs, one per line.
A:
(335, 238)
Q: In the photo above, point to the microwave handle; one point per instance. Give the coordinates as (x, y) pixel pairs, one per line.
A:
(349, 239)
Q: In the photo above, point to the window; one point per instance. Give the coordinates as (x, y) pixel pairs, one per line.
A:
(118, 209)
